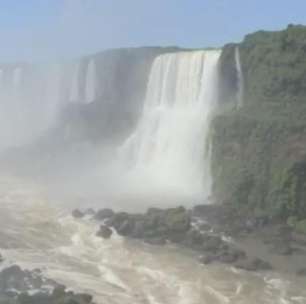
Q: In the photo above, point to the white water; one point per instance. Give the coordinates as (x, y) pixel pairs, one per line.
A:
(240, 79)
(74, 90)
(169, 150)
(90, 88)
(35, 234)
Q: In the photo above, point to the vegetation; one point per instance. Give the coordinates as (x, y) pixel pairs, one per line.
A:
(259, 150)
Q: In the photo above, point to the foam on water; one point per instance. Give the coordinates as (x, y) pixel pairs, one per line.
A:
(118, 270)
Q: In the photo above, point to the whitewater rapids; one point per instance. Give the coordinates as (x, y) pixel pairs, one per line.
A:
(35, 235)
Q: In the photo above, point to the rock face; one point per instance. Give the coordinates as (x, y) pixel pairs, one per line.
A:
(259, 150)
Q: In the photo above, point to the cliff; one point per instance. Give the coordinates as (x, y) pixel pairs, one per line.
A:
(259, 149)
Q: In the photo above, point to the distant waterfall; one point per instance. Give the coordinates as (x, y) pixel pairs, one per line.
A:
(168, 147)
(90, 86)
(52, 96)
(17, 78)
(74, 90)
(240, 86)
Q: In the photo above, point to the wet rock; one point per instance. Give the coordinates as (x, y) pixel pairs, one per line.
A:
(105, 232)
(171, 224)
(77, 214)
(205, 227)
(226, 255)
(158, 241)
(212, 243)
(194, 239)
(207, 259)
(58, 296)
(282, 248)
(90, 212)
(14, 278)
(255, 264)
(230, 255)
(104, 214)
(301, 272)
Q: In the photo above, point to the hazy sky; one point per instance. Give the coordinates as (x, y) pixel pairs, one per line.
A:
(43, 29)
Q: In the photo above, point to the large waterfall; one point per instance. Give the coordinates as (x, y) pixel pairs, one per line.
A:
(169, 148)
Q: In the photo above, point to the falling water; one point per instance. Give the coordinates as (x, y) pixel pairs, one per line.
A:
(168, 148)
(17, 78)
(52, 93)
(90, 88)
(239, 77)
(74, 91)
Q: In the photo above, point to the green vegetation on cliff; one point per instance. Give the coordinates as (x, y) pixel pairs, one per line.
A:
(259, 150)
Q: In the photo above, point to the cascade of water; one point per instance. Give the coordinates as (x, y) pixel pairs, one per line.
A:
(240, 86)
(90, 86)
(74, 91)
(169, 142)
(53, 93)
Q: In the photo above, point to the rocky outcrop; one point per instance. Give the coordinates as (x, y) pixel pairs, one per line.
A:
(185, 228)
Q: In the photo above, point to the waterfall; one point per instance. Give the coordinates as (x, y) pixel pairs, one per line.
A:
(240, 84)
(74, 91)
(90, 86)
(169, 146)
(17, 78)
(52, 96)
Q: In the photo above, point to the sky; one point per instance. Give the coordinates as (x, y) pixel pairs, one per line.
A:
(32, 30)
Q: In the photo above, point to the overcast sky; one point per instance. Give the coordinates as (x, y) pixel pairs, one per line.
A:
(49, 29)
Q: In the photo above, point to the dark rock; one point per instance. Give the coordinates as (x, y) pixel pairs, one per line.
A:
(171, 224)
(253, 265)
(212, 243)
(194, 239)
(230, 255)
(58, 296)
(104, 232)
(14, 278)
(77, 214)
(90, 212)
(226, 255)
(282, 248)
(104, 214)
(117, 219)
(159, 241)
(301, 272)
(126, 227)
(207, 259)
(204, 227)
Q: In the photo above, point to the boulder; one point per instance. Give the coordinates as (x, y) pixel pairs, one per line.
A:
(255, 264)
(157, 241)
(301, 272)
(105, 232)
(78, 214)
(104, 214)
